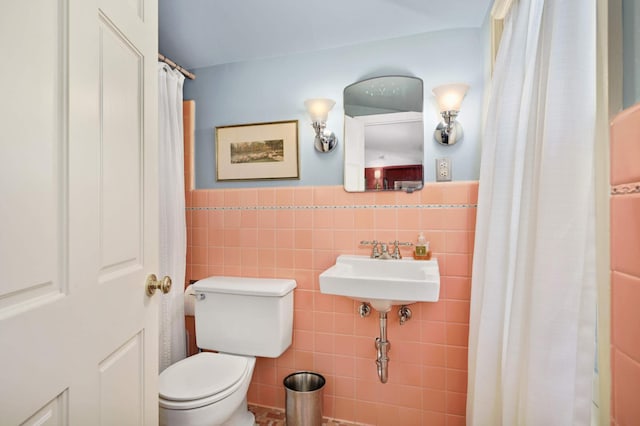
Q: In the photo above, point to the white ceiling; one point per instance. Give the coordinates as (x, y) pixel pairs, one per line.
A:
(200, 33)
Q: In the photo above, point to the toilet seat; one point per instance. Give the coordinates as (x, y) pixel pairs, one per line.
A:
(202, 379)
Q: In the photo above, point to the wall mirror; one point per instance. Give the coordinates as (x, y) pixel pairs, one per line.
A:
(384, 134)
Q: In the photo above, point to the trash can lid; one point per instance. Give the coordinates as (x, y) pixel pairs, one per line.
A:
(304, 381)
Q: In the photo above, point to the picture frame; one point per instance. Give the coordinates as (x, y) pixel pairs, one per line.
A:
(258, 151)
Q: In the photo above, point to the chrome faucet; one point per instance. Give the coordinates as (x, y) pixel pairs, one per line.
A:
(380, 250)
(384, 253)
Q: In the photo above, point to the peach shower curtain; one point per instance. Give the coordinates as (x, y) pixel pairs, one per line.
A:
(532, 324)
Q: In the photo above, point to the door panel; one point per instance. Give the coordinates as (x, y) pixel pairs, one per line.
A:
(122, 384)
(54, 413)
(37, 205)
(121, 145)
(78, 178)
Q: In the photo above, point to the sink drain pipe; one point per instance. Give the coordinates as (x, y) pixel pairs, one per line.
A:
(383, 347)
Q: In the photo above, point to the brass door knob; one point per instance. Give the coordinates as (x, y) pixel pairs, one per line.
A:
(153, 284)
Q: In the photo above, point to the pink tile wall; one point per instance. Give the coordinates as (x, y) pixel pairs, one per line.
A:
(299, 232)
(625, 265)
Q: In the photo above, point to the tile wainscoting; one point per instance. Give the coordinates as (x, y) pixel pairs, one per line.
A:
(625, 267)
(297, 233)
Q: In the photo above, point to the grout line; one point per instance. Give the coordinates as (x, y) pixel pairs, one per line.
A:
(343, 207)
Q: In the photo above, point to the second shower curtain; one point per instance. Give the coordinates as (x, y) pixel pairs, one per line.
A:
(532, 324)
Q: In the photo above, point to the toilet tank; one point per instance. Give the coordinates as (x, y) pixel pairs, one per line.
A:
(244, 316)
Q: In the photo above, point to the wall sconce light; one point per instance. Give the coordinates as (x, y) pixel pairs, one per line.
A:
(318, 109)
(449, 98)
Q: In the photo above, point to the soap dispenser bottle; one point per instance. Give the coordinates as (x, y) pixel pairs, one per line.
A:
(422, 251)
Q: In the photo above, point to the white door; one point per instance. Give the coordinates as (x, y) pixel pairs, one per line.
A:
(78, 222)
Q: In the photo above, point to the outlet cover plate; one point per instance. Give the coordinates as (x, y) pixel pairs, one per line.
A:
(443, 169)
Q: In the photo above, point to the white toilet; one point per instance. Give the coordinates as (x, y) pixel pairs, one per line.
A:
(241, 318)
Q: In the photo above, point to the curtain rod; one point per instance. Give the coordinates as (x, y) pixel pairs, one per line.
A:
(168, 61)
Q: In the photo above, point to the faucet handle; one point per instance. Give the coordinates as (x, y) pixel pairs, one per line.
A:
(400, 243)
(375, 253)
(396, 248)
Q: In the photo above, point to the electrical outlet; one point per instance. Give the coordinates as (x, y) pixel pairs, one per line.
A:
(443, 169)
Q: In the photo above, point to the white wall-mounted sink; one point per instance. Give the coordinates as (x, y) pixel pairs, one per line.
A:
(382, 283)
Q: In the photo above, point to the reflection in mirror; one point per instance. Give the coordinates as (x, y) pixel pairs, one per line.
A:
(384, 134)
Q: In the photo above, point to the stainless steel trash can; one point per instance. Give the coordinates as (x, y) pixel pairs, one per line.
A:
(303, 404)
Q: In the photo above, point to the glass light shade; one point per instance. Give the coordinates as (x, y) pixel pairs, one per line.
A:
(319, 109)
(377, 173)
(450, 96)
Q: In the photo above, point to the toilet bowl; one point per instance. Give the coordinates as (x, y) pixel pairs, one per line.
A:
(206, 389)
(240, 318)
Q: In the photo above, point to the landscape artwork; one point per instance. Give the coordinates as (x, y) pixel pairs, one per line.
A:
(257, 151)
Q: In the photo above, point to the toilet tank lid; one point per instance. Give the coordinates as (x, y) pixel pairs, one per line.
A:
(267, 287)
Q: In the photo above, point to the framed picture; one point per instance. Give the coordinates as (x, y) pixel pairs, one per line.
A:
(257, 151)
